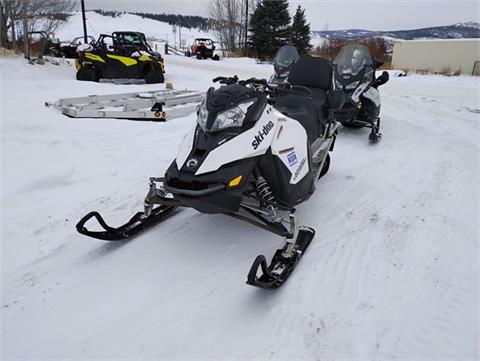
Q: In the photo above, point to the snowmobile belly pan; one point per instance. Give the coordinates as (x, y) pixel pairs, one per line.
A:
(210, 193)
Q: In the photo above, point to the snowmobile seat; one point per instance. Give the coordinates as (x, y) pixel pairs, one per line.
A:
(312, 72)
(305, 111)
(309, 110)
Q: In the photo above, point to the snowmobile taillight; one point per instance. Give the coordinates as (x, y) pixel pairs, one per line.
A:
(235, 181)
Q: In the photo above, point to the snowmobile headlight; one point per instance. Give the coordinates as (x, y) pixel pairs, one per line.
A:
(231, 118)
(352, 85)
(202, 115)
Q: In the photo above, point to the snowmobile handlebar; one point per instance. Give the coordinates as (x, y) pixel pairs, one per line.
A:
(286, 88)
(263, 84)
(235, 80)
(226, 80)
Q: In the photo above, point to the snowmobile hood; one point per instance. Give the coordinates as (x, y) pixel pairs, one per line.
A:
(227, 97)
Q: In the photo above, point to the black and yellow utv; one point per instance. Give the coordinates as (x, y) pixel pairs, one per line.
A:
(122, 55)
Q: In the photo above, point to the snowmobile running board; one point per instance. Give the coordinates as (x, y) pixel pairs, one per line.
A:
(157, 105)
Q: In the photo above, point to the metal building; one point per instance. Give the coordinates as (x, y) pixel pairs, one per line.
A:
(438, 56)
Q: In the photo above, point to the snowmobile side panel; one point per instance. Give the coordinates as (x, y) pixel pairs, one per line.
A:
(295, 158)
(185, 147)
(278, 175)
(361, 88)
(374, 95)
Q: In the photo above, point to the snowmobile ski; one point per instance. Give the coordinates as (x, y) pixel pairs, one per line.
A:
(137, 223)
(283, 262)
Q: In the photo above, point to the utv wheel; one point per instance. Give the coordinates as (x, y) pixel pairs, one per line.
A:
(199, 56)
(87, 74)
(154, 76)
(216, 57)
(53, 52)
(187, 53)
(325, 167)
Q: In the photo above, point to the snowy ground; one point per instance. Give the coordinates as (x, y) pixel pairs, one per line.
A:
(391, 274)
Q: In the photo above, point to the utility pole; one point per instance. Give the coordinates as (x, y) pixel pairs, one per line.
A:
(246, 26)
(174, 30)
(84, 23)
(180, 36)
(26, 39)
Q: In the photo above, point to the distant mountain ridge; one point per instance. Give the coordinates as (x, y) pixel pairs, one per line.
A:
(457, 31)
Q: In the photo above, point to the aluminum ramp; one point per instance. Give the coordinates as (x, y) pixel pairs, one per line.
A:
(157, 105)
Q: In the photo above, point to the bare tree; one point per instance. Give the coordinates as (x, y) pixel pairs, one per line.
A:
(21, 16)
(10, 11)
(228, 21)
(3, 26)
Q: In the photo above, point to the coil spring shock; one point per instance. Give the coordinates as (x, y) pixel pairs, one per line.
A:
(267, 199)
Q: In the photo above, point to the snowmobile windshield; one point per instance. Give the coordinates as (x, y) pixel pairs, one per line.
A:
(352, 59)
(285, 57)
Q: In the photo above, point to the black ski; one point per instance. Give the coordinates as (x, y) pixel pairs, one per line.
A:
(275, 274)
(136, 224)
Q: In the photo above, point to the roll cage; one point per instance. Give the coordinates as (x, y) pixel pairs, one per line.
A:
(122, 44)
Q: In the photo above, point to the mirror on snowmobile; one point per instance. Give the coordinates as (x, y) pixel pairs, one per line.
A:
(382, 79)
(336, 99)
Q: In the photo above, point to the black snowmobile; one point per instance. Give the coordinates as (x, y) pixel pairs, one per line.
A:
(283, 61)
(355, 75)
(250, 158)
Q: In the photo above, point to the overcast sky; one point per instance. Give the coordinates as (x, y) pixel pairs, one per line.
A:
(334, 14)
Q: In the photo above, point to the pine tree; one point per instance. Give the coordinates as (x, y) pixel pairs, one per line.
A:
(269, 27)
(300, 32)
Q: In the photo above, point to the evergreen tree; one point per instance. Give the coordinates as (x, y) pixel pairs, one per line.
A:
(300, 32)
(269, 27)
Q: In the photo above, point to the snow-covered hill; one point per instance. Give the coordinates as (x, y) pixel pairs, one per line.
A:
(100, 24)
(392, 273)
(456, 31)
(158, 32)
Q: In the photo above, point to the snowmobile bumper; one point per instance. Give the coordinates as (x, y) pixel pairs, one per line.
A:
(218, 192)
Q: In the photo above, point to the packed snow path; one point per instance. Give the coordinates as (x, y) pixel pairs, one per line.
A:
(392, 272)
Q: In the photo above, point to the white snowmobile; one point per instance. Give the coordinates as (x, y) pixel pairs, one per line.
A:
(283, 62)
(250, 159)
(355, 75)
